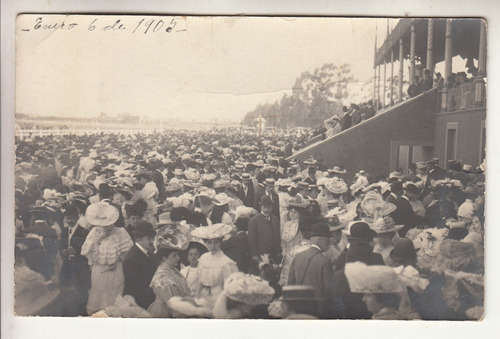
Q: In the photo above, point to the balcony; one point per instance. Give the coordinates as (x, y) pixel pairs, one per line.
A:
(463, 97)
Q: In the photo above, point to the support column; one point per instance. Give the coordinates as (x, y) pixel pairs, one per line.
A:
(401, 64)
(448, 53)
(378, 89)
(383, 82)
(412, 53)
(374, 84)
(479, 90)
(391, 100)
(430, 48)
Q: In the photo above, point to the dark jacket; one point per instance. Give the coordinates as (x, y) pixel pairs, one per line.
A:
(236, 248)
(138, 270)
(75, 271)
(404, 215)
(350, 305)
(264, 237)
(312, 268)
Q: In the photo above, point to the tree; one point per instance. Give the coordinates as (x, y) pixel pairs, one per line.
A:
(315, 97)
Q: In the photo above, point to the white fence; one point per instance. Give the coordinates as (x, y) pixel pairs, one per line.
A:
(26, 133)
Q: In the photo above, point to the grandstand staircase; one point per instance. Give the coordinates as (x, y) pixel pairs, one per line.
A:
(374, 144)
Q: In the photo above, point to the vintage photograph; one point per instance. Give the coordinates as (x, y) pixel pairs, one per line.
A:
(228, 167)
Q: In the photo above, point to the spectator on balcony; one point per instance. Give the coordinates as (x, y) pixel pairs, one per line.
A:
(333, 126)
(369, 110)
(356, 115)
(439, 81)
(346, 119)
(427, 84)
(415, 88)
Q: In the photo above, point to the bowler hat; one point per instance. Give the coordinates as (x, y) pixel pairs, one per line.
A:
(320, 230)
(265, 200)
(360, 230)
(144, 229)
(403, 249)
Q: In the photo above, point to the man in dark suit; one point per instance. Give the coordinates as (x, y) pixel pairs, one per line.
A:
(434, 171)
(350, 305)
(269, 191)
(264, 235)
(75, 271)
(247, 194)
(404, 214)
(312, 268)
(139, 268)
(236, 247)
(396, 192)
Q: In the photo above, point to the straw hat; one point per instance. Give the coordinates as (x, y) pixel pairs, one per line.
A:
(375, 206)
(248, 289)
(336, 186)
(222, 199)
(215, 231)
(338, 170)
(102, 214)
(372, 279)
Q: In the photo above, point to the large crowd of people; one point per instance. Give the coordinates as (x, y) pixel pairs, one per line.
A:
(219, 224)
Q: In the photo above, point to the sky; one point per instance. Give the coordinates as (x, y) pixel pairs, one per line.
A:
(205, 68)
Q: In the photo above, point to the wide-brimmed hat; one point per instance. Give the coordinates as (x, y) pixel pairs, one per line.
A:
(222, 199)
(375, 206)
(215, 231)
(173, 187)
(144, 229)
(403, 249)
(320, 230)
(372, 279)
(297, 202)
(102, 213)
(383, 225)
(172, 237)
(360, 230)
(338, 170)
(248, 289)
(310, 161)
(336, 186)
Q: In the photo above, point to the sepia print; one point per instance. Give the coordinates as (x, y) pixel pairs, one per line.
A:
(250, 167)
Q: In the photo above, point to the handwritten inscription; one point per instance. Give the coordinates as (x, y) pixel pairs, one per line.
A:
(141, 26)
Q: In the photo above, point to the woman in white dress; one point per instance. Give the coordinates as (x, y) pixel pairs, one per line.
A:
(214, 266)
(105, 248)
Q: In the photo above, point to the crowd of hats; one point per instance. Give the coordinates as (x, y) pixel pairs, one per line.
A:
(55, 174)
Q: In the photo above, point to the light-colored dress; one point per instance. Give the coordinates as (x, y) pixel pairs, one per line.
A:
(213, 270)
(167, 282)
(106, 284)
(290, 240)
(191, 275)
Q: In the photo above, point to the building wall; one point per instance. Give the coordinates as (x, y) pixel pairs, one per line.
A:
(373, 145)
(468, 126)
